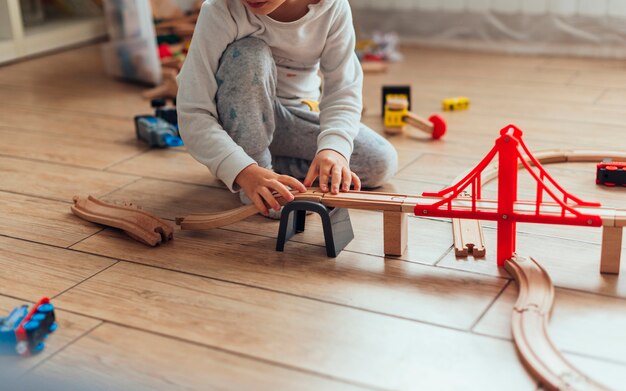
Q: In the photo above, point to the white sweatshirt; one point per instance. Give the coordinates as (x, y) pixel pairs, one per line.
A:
(323, 40)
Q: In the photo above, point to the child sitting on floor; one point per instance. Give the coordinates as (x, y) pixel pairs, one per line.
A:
(247, 98)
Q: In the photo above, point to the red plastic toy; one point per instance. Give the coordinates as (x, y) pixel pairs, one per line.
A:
(510, 149)
(611, 174)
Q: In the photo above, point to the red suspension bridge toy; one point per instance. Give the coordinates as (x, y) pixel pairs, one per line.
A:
(561, 207)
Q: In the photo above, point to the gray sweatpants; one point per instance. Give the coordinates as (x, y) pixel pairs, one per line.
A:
(284, 137)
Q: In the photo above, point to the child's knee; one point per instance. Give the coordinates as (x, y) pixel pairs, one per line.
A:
(247, 56)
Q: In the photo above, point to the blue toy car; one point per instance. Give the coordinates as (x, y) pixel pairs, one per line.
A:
(24, 331)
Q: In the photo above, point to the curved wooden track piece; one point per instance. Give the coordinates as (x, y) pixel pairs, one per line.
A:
(472, 228)
(200, 221)
(138, 224)
(530, 329)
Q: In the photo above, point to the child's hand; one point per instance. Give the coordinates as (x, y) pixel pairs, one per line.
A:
(330, 163)
(258, 183)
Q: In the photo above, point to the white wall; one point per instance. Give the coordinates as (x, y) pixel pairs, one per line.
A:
(595, 8)
(572, 27)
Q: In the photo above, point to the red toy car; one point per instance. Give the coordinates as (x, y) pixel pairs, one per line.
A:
(611, 174)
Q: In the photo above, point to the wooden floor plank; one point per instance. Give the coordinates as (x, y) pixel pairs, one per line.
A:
(67, 124)
(115, 357)
(31, 270)
(613, 96)
(426, 62)
(71, 327)
(42, 221)
(66, 150)
(363, 281)
(56, 181)
(168, 164)
(44, 83)
(341, 342)
(584, 65)
(570, 264)
(609, 374)
(446, 167)
(582, 323)
(52, 98)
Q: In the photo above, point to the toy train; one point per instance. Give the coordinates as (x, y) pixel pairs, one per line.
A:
(611, 174)
(24, 331)
(160, 129)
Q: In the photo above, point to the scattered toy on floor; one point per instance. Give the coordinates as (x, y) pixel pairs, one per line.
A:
(381, 47)
(375, 53)
(138, 224)
(157, 132)
(160, 129)
(24, 332)
(611, 174)
(396, 106)
(455, 104)
(168, 113)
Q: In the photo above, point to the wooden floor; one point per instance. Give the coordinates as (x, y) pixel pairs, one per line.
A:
(223, 310)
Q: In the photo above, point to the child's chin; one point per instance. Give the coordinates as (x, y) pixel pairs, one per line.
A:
(258, 11)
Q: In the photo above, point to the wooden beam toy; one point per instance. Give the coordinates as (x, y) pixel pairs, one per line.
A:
(397, 114)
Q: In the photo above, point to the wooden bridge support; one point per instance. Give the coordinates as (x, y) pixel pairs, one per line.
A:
(611, 249)
(395, 227)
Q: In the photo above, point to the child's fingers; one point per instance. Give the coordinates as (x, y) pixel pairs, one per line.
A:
(356, 181)
(260, 205)
(311, 175)
(346, 179)
(269, 199)
(324, 175)
(335, 179)
(292, 182)
(281, 189)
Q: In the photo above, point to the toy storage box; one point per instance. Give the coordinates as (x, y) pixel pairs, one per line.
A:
(131, 53)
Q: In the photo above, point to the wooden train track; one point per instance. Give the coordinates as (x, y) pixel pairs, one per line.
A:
(529, 326)
(390, 202)
(138, 224)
